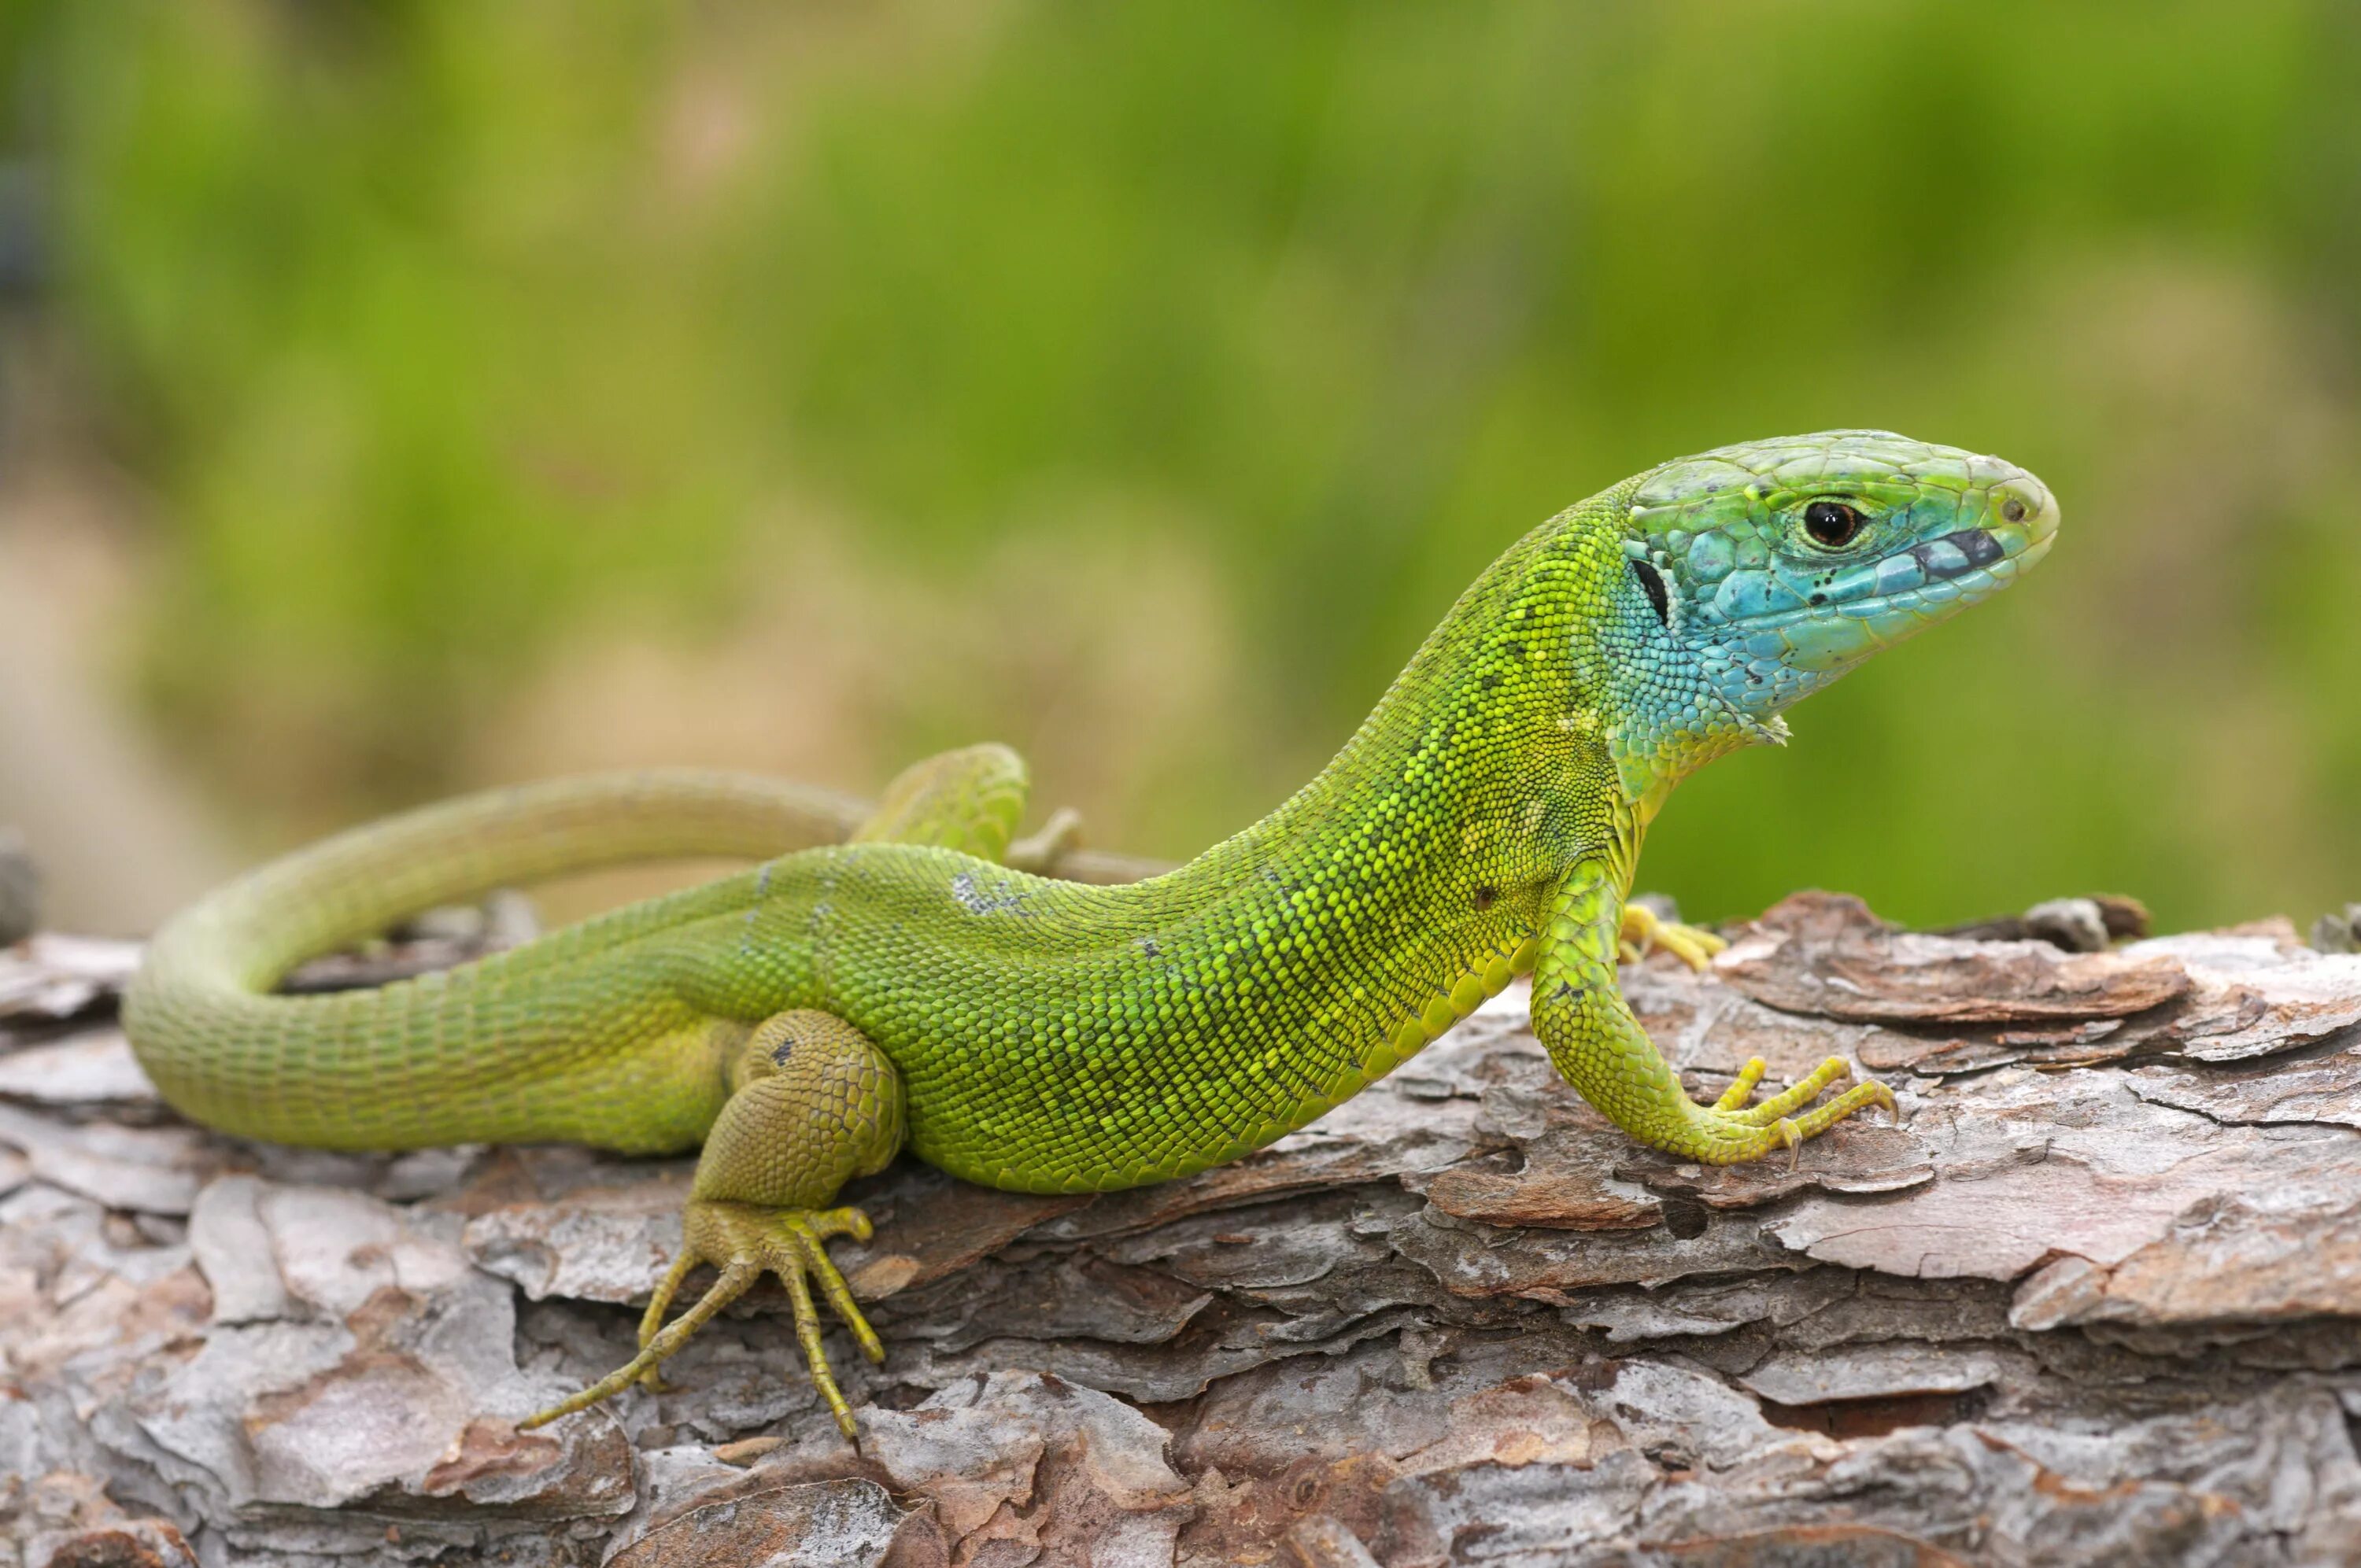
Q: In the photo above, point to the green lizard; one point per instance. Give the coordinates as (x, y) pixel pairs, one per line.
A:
(894, 983)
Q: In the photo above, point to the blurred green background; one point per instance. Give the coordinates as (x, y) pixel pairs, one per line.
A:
(405, 396)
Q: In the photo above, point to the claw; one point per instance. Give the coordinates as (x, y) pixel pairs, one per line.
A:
(745, 1241)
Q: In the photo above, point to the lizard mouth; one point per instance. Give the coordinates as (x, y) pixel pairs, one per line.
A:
(1957, 569)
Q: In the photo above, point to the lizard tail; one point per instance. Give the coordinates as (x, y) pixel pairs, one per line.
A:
(199, 1014)
(250, 933)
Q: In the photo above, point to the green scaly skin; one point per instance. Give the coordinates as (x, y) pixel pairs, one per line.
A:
(806, 1018)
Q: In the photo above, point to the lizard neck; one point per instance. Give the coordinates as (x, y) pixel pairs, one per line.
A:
(1412, 878)
(1488, 767)
(1292, 965)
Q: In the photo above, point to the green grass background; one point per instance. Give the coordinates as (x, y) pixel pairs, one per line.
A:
(1138, 382)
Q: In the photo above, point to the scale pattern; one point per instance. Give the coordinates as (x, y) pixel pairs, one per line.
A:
(813, 1073)
(1054, 1037)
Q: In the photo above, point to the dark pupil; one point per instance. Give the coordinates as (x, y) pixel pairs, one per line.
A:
(1832, 523)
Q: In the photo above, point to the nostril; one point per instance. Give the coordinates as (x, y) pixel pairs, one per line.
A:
(2022, 501)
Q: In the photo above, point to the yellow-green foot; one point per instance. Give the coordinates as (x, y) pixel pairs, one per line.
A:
(744, 1241)
(1038, 852)
(1645, 931)
(1730, 1131)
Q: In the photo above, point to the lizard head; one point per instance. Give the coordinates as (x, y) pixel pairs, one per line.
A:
(1755, 575)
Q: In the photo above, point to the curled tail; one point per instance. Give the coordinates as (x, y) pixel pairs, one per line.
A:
(388, 1068)
(247, 934)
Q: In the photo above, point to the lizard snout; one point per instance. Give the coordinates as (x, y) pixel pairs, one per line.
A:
(2023, 502)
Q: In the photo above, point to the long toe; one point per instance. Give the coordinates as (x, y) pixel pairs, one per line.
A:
(746, 1241)
(1719, 1135)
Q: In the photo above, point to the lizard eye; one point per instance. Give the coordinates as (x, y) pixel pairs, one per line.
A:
(1831, 523)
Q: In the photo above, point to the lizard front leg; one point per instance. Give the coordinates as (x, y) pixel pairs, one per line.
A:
(813, 1104)
(1580, 1017)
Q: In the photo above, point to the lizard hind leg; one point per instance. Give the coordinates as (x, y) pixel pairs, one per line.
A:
(813, 1104)
(970, 800)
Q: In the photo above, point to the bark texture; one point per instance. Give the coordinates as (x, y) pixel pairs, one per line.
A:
(2097, 1299)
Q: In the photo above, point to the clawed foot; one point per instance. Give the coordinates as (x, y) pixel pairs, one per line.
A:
(1645, 931)
(744, 1241)
(1730, 1131)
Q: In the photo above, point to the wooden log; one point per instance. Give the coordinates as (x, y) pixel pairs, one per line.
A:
(2096, 1299)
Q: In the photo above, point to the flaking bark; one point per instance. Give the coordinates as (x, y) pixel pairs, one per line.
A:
(2097, 1299)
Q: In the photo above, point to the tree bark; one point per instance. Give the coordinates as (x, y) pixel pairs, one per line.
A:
(2096, 1299)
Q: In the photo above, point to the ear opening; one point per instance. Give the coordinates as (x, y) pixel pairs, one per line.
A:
(1652, 583)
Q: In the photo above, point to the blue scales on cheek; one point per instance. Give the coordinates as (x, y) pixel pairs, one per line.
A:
(1784, 564)
(1711, 556)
